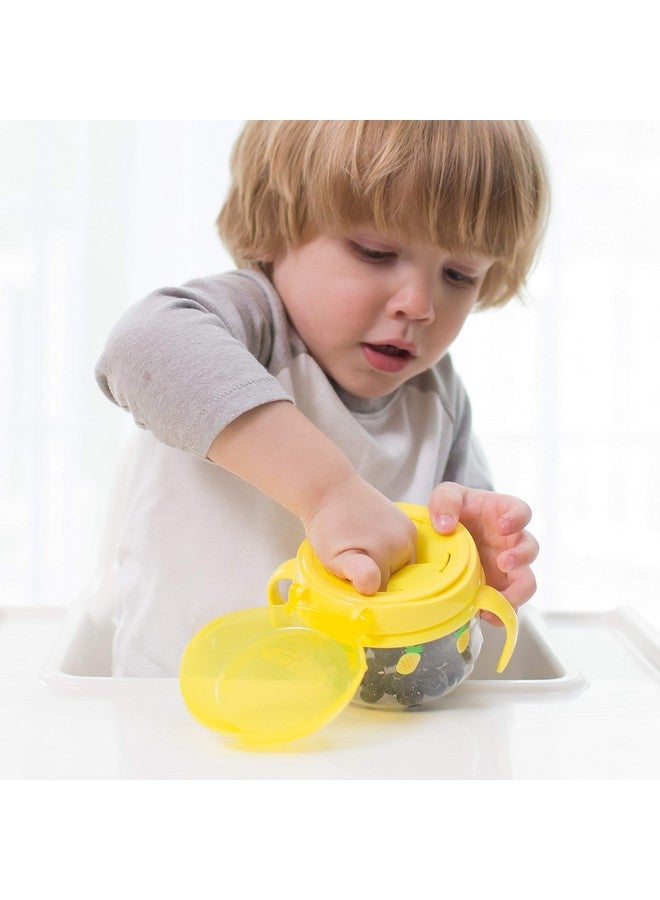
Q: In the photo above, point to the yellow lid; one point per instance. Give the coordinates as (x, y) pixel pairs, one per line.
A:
(434, 596)
(261, 676)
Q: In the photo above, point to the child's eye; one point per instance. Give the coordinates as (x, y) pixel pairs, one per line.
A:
(371, 255)
(460, 279)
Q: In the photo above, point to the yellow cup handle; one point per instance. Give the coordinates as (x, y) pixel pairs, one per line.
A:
(349, 627)
(285, 572)
(491, 600)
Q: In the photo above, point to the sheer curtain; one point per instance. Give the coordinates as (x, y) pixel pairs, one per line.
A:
(95, 214)
(565, 386)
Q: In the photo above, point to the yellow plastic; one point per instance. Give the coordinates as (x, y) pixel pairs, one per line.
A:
(276, 673)
(435, 596)
(261, 676)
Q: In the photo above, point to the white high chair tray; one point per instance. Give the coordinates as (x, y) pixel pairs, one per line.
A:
(580, 700)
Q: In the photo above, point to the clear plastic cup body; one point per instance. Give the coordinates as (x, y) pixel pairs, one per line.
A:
(418, 675)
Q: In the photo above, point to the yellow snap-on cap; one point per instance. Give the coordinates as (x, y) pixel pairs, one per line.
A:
(435, 595)
(259, 675)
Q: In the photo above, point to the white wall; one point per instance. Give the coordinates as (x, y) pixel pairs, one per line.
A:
(565, 389)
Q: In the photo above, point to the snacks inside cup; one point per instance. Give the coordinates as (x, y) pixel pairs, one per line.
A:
(408, 677)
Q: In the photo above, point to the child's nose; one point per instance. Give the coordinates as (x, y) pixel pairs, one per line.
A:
(414, 300)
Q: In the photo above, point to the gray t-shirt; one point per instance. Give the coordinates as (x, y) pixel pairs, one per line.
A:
(188, 541)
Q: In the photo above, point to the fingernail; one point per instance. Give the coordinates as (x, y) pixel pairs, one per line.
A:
(508, 563)
(445, 523)
(506, 526)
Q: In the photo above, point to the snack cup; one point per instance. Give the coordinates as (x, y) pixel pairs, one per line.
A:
(276, 673)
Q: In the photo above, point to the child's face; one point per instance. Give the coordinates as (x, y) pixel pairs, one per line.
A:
(375, 309)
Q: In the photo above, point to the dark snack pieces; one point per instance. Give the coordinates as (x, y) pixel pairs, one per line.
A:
(404, 676)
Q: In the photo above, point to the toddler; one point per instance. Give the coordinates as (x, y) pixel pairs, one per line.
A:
(303, 393)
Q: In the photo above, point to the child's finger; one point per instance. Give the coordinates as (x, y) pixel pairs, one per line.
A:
(522, 586)
(513, 515)
(445, 506)
(522, 553)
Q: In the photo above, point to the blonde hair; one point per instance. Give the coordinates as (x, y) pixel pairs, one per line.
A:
(477, 185)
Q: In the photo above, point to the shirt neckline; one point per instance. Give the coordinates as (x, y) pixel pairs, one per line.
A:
(364, 405)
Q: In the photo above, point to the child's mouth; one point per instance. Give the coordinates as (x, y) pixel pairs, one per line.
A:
(387, 357)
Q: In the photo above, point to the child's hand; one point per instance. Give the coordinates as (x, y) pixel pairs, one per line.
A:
(359, 535)
(497, 523)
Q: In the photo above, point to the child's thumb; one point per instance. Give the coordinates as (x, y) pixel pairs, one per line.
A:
(358, 568)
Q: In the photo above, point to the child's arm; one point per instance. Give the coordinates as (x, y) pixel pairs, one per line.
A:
(357, 532)
(497, 523)
(190, 365)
